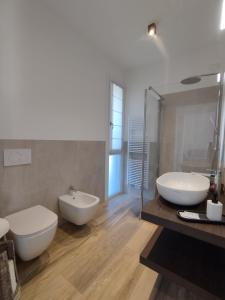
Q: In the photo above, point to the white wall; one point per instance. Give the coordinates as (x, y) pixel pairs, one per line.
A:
(165, 76)
(53, 84)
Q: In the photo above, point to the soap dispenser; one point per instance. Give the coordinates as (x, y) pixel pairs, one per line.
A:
(214, 209)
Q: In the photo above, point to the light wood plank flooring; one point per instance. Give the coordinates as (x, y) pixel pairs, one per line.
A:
(100, 261)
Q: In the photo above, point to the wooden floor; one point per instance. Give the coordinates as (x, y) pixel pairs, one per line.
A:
(100, 261)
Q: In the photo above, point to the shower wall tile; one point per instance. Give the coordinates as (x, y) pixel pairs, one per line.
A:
(169, 125)
(55, 166)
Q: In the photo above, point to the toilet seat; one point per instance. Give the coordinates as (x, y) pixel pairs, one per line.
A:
(32, 230)
(31, 221)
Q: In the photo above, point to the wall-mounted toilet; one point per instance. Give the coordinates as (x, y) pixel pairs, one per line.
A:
(78, 208)
(32, 230)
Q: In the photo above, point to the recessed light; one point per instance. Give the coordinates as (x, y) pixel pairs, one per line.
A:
(222, 20)
(152, 29)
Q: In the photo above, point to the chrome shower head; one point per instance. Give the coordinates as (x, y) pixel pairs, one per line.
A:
(196, 79)
(191, 80)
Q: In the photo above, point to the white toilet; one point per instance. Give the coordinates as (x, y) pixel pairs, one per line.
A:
(78, 208)
(32, 230)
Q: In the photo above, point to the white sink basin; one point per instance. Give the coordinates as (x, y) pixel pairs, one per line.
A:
(4, 227)
(183, 188)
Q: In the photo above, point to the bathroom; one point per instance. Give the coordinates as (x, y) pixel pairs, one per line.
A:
(63, 64)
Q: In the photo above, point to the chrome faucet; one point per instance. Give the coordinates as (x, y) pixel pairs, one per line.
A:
(212, 172)
(72, 190)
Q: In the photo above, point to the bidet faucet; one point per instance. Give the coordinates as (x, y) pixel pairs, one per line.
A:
(72, 190)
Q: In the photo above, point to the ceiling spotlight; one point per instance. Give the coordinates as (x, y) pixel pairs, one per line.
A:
(152, 29)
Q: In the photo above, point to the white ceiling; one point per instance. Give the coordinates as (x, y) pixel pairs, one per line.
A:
(118, 27)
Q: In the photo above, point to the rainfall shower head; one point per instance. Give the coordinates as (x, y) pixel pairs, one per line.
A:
(196, 79)
(191, 80)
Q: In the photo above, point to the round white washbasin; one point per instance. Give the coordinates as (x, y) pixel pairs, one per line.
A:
(183, 188)
(4, 227)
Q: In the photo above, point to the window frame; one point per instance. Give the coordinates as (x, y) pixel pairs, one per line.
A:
(115, 151)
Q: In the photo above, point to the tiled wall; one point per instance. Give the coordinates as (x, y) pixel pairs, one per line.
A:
(202, 98)
(55, 166)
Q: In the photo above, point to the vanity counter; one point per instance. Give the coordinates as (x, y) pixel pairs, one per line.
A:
(189, 254)
(163, 213)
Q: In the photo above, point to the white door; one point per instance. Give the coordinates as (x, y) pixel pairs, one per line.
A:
(115, 176)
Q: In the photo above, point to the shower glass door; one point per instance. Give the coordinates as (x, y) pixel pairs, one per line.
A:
(150, 167)
(115, 184)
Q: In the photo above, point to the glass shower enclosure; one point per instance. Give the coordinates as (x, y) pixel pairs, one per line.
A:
(183, 131)
(151, 143)
(144, 148)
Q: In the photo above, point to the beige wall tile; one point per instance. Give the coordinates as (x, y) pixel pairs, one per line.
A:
(169, 123)
(55, 166)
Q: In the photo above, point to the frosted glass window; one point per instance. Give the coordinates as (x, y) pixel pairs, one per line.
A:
(117, 104)
(117, 118)
(116, 144)
(114, 184)
(116, 141)
(117, 132)
(117, 91)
